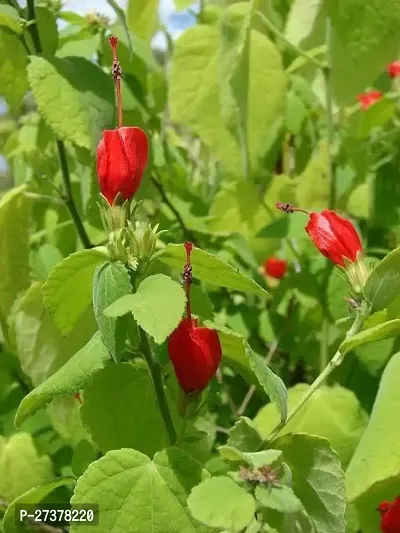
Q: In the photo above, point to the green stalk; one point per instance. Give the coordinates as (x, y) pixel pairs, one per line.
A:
(156, 377)
(336, 360)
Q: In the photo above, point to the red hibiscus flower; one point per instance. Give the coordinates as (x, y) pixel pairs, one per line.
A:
(390, 516)
(274, 267)
(368, 99)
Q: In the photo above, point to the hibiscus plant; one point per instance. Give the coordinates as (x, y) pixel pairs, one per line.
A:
(200, 268)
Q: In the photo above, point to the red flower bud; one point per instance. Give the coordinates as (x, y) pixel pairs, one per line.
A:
(274, 267)
(195, 353)
(121, 160)
(394, 69)
(390, 516)
(368, 99)
(334, 236)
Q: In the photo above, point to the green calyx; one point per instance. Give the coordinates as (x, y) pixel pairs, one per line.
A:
(129, 241)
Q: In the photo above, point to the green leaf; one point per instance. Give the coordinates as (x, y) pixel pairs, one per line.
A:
(259, 459)
(14, 245)
(21, 467)
(84, 454)
(31, 497)
(157, 306)
(332, 412)
(41, 348)
(209, 269)
(69, 379)
(383, 284)
(142, 17)
(363, 121)
(219, 502)
(111, 282)
(140, 495)
(377, 333)
(78, 85)
(128, 415)
(67, 292)
(244, 436)
(373, 474)
(9, 18)
(301, 21)
(271, 383)
(195, 92)
(13, 77)
(365, 39)
(318, 480)
(313, 184)
(47, 27)
(280, 498)
(233, 347)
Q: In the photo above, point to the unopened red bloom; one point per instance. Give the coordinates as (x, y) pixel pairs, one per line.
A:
(275, 267)
(194, 351)
(368, 99)
(122, 153)
(121, 160)
(394, 69)
(390, 516)
(334, 236)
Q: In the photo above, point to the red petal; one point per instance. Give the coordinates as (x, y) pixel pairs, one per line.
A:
(345, 233)
(274, 267)
(135, 143)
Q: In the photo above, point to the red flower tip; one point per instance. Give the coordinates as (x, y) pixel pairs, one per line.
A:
(274, 267)
(195, 353)
(188, 247)
(121, 160)
(393, 69)
(334, 236)
(113, 41)
(390, 516)
(368, 99)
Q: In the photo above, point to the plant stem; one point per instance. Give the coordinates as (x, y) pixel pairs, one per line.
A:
(156, 378)
(32, 28)
(336, 360)
(186, 231)
(68, 198)
(324, 345)
(327, 71)
(301, 52)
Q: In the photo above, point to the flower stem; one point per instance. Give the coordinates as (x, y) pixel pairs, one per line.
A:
(336, 360)
(327, 71)
(156, 377)
(32, 28)
(69, 199)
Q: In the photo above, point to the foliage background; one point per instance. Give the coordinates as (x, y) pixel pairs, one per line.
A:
(254, 104)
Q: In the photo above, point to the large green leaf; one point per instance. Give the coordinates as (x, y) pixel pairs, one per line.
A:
(365, 40)
(14, 246)
(47, 28)
(13, 77)
(219, 502)
(40, 346)
(127, 416)
(318, 480)
(157, 306)
(111, 282)
(140, 495)
(9, 18)
(69, 379)
(142, 17)
(195, 93)
(21, 467)
(270, 382)
(383, 284)
(376, 333)
(209, 268)
(373, 474)
(31, 497)
(67, 292)
(244, 436)
(79, 86)
(331, 412)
